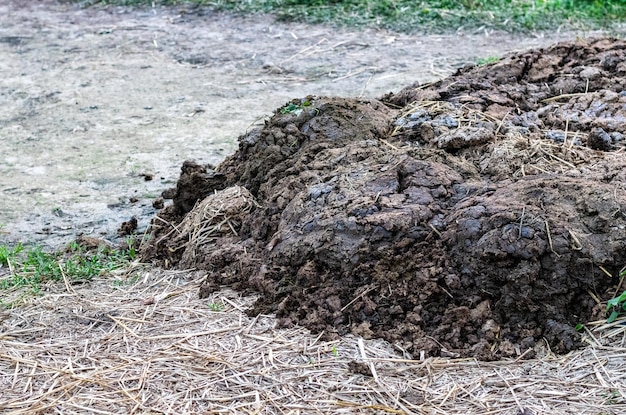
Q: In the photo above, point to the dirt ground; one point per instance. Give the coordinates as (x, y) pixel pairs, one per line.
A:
(481, 215)
(502, 240)
(95, 102)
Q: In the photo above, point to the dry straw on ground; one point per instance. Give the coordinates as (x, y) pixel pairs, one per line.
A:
(144, 343)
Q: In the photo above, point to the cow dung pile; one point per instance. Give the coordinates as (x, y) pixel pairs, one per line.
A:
(482, 215)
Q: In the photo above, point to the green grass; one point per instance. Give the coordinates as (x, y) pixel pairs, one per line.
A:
(433, 15)
(32, 266)
(216, 307)
(487, 60)
(617, 305)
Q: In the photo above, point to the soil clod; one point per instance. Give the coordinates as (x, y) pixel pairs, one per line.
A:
(128, 227)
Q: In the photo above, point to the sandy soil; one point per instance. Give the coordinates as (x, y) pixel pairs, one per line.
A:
(95, 101)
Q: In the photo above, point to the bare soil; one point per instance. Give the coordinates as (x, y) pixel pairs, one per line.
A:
(99, 106)
(480, 215)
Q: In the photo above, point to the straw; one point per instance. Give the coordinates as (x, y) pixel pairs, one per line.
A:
(102, 348)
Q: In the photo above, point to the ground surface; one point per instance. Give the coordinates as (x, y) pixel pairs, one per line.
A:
(93, 101)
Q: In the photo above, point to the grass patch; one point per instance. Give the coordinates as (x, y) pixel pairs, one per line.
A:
(487, 60)
(215, 307)
(433, 15)
(30, 267)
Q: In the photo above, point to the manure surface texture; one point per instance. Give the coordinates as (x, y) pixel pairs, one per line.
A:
(475, 216)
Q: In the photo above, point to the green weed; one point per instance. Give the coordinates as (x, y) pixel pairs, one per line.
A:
(487, 60)
(216, 307)
(429, 15)
(32, 266)
(7, 253)
(293, 108)
(617, 305)
(611, 398)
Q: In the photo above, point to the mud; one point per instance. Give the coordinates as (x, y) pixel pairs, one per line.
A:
(476, 216)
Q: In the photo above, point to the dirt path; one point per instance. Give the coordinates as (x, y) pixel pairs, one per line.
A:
(96, 101)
